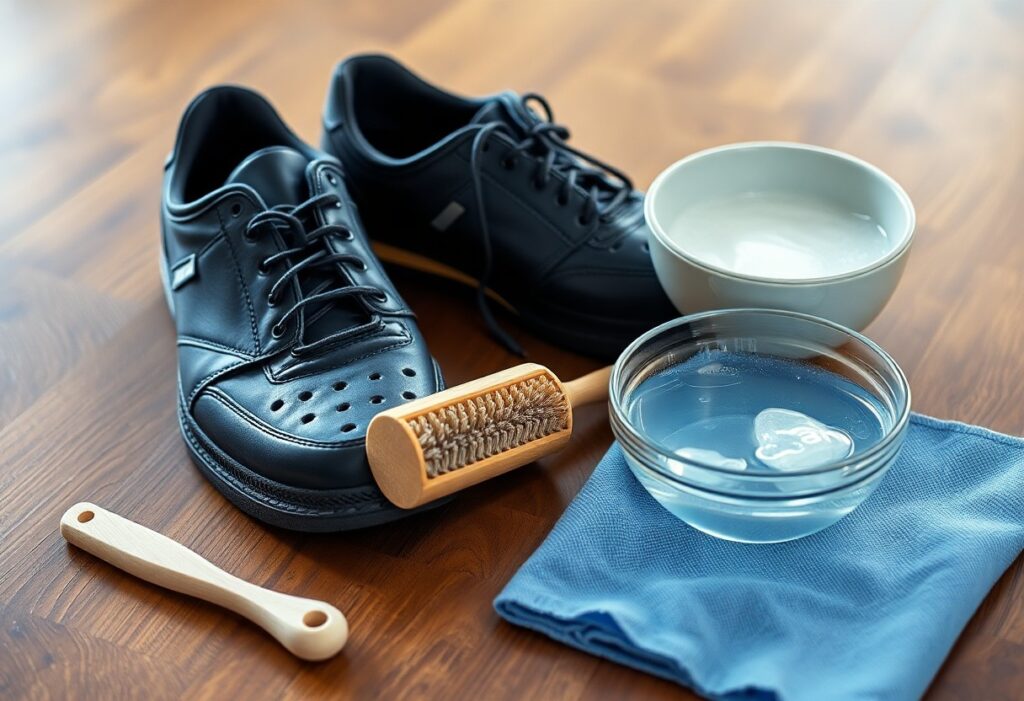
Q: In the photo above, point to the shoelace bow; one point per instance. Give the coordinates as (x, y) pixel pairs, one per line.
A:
(544, 142)
(313, 254)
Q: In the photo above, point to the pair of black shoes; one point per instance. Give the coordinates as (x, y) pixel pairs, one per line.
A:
(290, 334)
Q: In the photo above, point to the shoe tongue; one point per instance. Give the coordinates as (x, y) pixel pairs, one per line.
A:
(277, 173)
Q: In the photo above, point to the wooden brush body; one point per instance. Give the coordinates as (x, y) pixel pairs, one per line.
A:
(434, 446)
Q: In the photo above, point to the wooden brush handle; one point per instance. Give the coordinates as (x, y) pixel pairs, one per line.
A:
(592, 387)
(310, 629)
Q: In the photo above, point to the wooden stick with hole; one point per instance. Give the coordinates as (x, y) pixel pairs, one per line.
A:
(310, 629)
(437, 445)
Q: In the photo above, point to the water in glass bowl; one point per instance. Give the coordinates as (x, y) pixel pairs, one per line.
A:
(746, 411)
(749, 413)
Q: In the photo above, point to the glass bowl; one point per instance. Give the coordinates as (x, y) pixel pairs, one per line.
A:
(759, 505)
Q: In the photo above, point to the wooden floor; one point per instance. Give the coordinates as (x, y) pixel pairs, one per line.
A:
(932, 91)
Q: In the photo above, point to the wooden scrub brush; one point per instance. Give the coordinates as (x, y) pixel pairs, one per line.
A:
(434, 446)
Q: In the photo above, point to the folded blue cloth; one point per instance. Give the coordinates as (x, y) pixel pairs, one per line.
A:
(867, 608)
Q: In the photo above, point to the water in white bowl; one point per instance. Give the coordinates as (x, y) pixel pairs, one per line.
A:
(779, 235)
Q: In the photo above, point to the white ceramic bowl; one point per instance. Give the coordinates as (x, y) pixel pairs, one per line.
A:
(779, 225)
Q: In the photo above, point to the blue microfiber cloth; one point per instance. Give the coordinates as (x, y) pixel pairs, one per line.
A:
(866, 609)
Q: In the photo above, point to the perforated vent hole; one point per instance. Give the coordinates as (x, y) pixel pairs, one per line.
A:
(376, 399)
(276, 406)
(308, 417)
(408, 372)
(305, 396)
(344, 406)
(348, 427)
(338, 386)
(615, 247)
(647, 247)
(408, 395)
(375, 376)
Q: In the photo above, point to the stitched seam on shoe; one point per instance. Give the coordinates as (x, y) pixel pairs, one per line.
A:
(373, 328)
(258, 423)
(250, 484)
(241, 282)
(528, 205)
(275, 379)
(343, 339)
(249, 480)
(206, 247)
(209, 378)
(190, 214)
(202, 342)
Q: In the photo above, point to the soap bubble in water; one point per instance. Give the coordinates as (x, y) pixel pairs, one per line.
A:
(789, 440)
(713, 375)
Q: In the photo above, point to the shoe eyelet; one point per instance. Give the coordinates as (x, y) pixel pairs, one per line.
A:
(337, 204)
(562, 200)
(581, 221)
(261, 268)
(382, 297)
(331, 179)
(248, 235)
(272, 301)
(236, 209)
(349, 236)
(277, 331)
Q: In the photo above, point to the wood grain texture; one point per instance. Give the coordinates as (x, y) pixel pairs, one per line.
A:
(932, 91)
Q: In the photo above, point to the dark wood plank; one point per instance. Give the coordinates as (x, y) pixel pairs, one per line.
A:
(930, 90)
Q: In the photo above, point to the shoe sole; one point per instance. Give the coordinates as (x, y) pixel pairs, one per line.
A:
(585, 342)
(277, 504)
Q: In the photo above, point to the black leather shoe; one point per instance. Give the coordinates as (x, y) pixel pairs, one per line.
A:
(487, 192)
(290, 335)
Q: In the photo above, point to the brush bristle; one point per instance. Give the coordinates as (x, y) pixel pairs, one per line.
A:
(472, 429)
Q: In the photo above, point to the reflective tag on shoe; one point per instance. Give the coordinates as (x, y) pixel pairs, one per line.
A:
(448, 216)
(183, 271)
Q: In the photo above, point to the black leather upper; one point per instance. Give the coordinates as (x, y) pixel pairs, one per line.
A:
(407, 147)
(289, 404)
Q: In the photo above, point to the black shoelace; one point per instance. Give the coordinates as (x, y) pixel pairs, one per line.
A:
(544, 143)
(311, 253)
